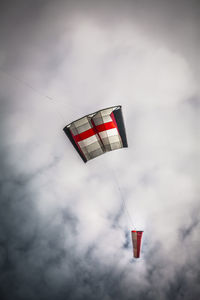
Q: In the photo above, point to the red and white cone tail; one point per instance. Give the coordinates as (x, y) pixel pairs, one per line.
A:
(136, 239)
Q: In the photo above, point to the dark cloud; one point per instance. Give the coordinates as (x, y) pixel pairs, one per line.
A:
(36, 263)
(25, 24)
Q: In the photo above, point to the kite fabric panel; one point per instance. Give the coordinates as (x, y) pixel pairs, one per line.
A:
(136, 240)
(97, 133)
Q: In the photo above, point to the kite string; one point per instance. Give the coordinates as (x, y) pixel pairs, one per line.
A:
(28, 85)
(122, 198)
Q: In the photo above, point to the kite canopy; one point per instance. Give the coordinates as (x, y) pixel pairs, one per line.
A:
(97, 133)
(136, 239)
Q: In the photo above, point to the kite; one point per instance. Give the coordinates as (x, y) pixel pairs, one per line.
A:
(97, 133)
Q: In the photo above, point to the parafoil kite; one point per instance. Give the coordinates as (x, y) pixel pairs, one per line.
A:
(97, 133)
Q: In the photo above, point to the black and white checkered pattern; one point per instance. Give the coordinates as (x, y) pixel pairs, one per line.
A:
(110, 138)
(100, 142)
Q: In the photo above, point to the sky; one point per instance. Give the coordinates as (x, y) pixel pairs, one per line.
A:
(64, 233)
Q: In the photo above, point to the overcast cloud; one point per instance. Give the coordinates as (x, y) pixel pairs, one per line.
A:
(63, 231)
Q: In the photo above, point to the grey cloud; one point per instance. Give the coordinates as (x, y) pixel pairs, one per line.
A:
(26, 24)
(37, 263)
(194, 102)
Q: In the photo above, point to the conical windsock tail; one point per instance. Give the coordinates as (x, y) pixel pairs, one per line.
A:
(136, 240)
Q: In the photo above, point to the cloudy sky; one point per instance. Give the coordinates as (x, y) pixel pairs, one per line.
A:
(63, 231)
